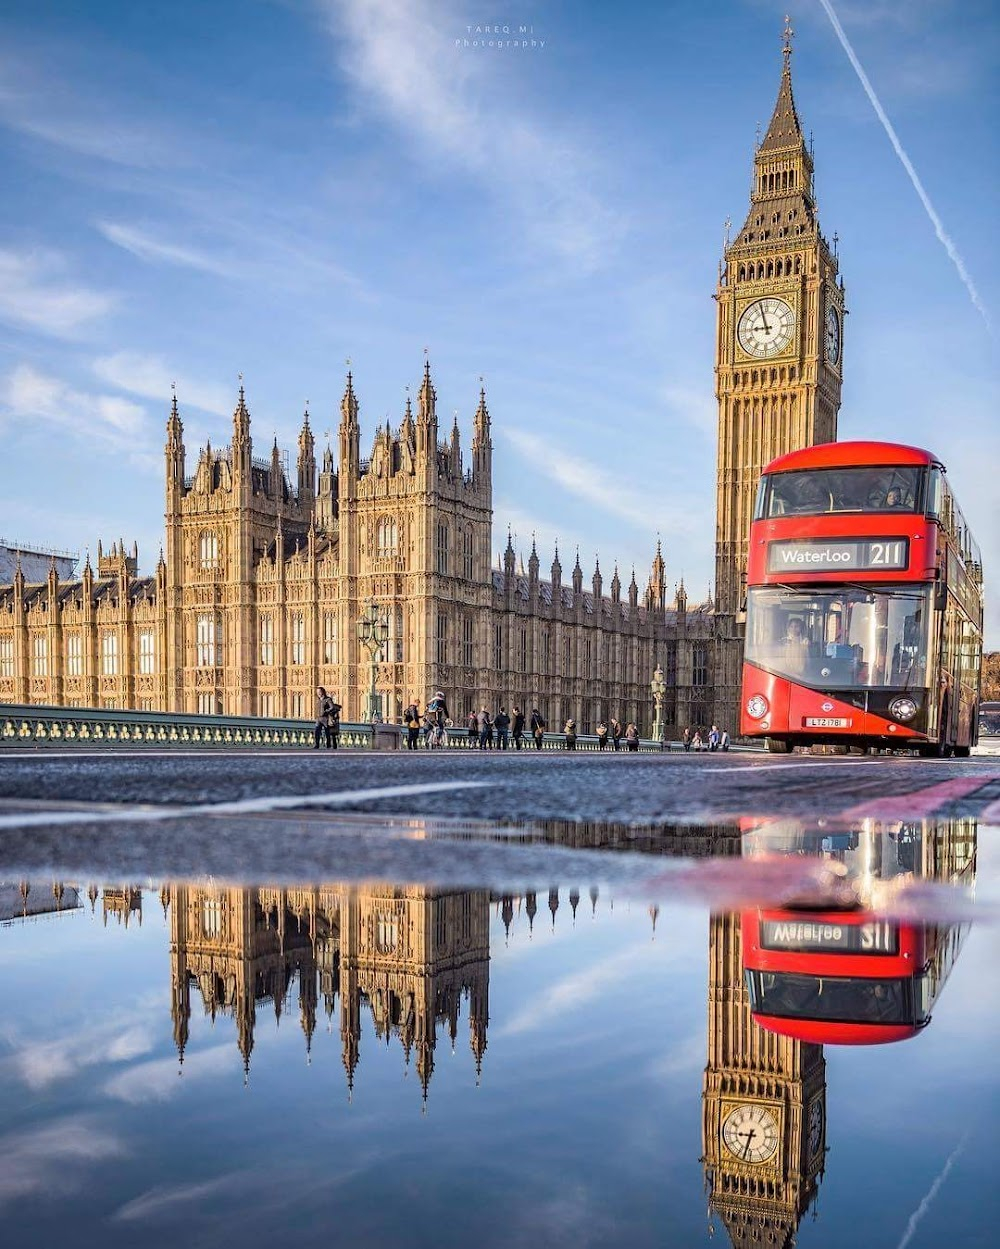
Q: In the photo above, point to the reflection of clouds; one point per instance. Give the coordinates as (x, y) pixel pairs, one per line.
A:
(157, 1080)
(40, 1064)
(576, 989)
(569, 1217)
(686, 1056)
(52, 1159)
(165, 1199)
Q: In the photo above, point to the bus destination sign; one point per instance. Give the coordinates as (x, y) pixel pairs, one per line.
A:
(876, 937)
(847, 555)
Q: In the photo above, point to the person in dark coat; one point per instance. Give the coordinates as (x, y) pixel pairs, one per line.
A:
(616, 734)
(485, 725)
(686, 739)
(517, 727)
(602, 736)
(333, 725)
(537, 727)
(324, 706)
(411, 718)
(501, 722)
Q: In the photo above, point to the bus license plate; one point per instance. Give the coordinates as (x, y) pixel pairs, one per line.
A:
(827, 722)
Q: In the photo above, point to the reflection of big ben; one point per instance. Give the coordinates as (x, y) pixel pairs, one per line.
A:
(763, 1109)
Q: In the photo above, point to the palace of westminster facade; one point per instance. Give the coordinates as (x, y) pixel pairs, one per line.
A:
(256, 599)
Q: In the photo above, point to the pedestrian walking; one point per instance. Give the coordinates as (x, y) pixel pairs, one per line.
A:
(333, 725)
(537, 727)
(696, 742)
(472, 724)
(484, 724)
(501, 722)
(324, 705)
(616, 734)
(686, 739)
(437, 713)
(602, 736)
(517, 727)
(411, 718)
(724, 740)
(714, 737)
(570, 731)
(631, 737)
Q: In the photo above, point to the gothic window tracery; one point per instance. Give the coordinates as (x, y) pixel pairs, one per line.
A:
(208, 641)
(386, 537)
(208, 550)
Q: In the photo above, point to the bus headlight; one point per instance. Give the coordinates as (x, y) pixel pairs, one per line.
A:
(757, 706)
(903, 708)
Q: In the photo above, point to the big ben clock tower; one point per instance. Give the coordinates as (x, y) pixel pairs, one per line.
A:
(779, 357)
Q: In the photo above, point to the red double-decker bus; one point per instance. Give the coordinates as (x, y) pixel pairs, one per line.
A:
(846, 975)
(864, 606)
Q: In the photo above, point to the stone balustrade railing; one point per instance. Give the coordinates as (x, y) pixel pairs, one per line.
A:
(38, 726)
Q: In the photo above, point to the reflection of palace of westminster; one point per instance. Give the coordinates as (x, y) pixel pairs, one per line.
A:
(256, 599)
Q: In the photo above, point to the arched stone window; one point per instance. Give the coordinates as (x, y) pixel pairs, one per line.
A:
(386, 537)
(208, 549)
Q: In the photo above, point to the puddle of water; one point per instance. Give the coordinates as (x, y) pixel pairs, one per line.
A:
(770, 1030)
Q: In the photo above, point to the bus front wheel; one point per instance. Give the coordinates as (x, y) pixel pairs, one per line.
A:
(963, 752)
(777, 746)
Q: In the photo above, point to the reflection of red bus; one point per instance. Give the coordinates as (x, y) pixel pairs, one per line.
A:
(848, 976)
(844, 978)
(864, 603)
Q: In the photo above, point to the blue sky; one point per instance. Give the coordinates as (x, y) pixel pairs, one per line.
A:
(191, 190)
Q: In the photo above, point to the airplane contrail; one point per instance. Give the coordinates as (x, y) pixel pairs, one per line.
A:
(938, 225)
(932, 1192)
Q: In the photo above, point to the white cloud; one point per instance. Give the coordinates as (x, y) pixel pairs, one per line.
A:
(27, 394)
(52, 1159)
(35, 101)
(151, 377)
(578, 476)
(695, 405)
(36, 294)
(458, 110)
(145, 246)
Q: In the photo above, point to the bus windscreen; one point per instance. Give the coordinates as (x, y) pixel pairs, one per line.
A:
(849, 637)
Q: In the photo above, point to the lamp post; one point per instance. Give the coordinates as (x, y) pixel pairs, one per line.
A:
(373, 632)
(659, 687)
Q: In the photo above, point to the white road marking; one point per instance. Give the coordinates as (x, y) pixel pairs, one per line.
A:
(241, 806)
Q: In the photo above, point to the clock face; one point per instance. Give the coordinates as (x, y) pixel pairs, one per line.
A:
(832, 335)
(815, 1127)
(750, 1133)
(765, 328)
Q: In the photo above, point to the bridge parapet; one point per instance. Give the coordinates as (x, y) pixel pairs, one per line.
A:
(35, 727)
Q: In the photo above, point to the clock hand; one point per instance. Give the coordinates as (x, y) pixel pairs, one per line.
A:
(750, 1135)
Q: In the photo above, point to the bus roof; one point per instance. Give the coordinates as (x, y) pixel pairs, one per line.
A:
(850, 454)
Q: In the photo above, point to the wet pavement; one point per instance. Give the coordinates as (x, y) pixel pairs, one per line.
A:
(463, 1001)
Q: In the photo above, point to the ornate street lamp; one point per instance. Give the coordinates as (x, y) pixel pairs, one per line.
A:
(373, 633)
(659, 687)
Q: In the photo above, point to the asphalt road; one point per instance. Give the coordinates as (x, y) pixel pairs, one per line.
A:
(433, 815)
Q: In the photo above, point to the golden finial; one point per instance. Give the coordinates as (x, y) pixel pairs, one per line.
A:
(786, 38)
